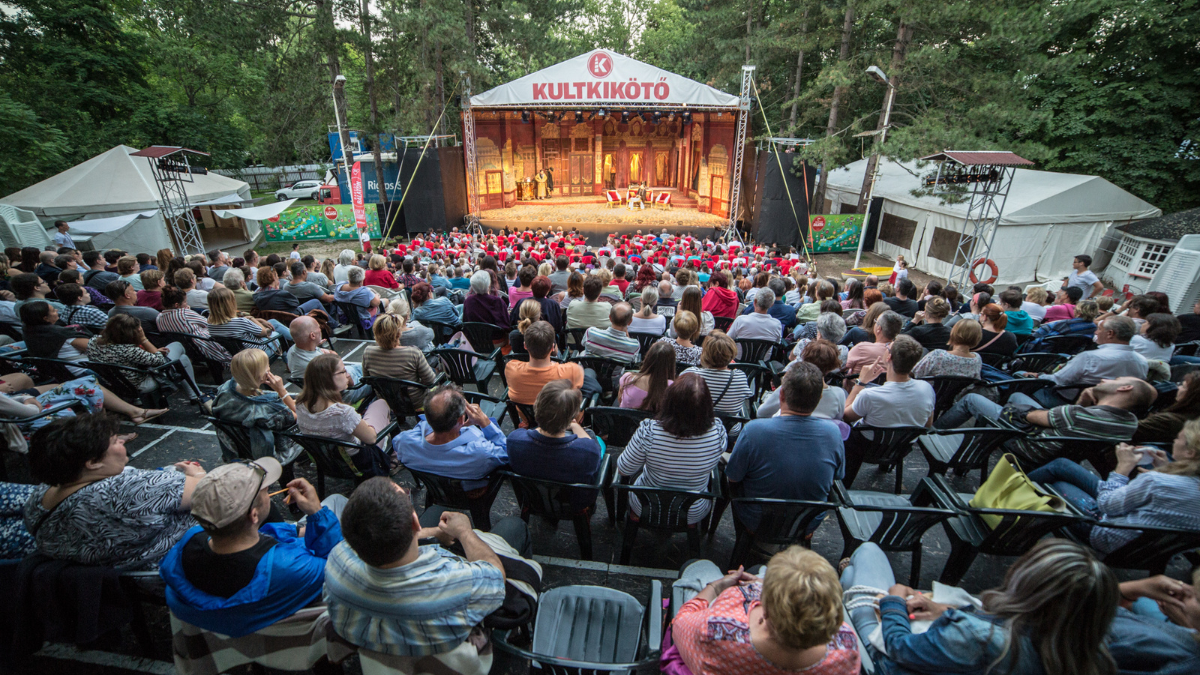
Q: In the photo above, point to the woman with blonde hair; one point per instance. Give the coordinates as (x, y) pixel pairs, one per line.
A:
(390, 357)
(646, 320)
(378, 274)
(529, 312)
(412, 333)
(545, 269)
(241, 401)
(223, 320)
(685, 328)
(321, 412)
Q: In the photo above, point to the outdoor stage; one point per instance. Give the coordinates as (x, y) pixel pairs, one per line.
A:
(596, 220)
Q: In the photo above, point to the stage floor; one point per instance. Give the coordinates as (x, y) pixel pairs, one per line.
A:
(596, 220)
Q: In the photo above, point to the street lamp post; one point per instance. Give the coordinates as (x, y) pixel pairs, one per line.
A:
(879, 76)
(338, 83)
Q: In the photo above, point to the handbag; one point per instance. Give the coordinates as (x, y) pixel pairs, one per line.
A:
(1009, 488)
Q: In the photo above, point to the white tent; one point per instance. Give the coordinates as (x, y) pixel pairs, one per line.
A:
(114, 184)
(1048, 219)
(602, 78)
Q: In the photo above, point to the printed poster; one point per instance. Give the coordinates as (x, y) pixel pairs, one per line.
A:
(360, 211)
(316, 221)
(834, 233)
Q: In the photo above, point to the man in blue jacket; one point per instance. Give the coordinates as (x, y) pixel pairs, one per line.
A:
(235, 574)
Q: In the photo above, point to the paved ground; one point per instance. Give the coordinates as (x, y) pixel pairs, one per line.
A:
(184, 434)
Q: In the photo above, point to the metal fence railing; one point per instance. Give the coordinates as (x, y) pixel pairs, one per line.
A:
(273, 177)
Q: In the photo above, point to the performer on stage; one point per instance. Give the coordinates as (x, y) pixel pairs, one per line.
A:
(540, 178)
(549, 181)
(638, 198)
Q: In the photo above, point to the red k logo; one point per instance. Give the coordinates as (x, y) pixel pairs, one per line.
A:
(600, 65)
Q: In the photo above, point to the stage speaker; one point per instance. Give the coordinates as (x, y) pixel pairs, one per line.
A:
(774, 220)
(435, 197)
(391, 220)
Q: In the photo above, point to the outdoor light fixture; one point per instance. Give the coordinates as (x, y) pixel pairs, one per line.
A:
(687, 118)
(877, 75)
(657, 116)
(601, 113)
(339, 81)
(578, 117)
(525, 116)
(625, 117)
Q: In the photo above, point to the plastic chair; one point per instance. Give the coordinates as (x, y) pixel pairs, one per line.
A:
(964, 450)
(77, 406)
(449, 492)
(783, 522)
(1038, 362)
(457, 363)
(233, 345)
(722, 323)
(354, 318)
(1025, 385)
(969, 535)
(574, 342)
(946, 388)
(606, 370)
(117, 378)
(665, 510)
(395, 393)
(57, 370)
(554, 500)
(758, 351)
(890, 521)
(192, 345)
(331, 457)
(645, 341)
(995, 360)
(1069, 345)
(482, 336)
(1187, 348)
(21, 227)
(1151, 551)
(441, 332)
(616, 426)
(591, 629)
(886, 447)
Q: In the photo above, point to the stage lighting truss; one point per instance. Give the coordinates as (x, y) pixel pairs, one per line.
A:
(170, 168)
(949, 176)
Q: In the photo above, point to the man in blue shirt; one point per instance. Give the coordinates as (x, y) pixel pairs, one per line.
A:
(792, 456)
(453, 439)
(559, 449)
(785, 313)
(235, 575)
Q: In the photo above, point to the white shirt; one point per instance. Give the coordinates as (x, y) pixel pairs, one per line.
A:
(656, 325)
(1108, 362)
(1083, 282)
(895, 404)
(294, 255)
(1150, 349)
(197, 299)
(756, 326)
(1038, 312)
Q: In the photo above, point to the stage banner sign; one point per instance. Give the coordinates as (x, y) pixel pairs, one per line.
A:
(360, 211)
(316, 222)
(834, 234)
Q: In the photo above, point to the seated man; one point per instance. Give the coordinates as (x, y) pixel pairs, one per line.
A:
(902, 401)
(1114, 358)
(29, 287)
(526, 378)
(363, 298)
(388, 593)
(96, 277)
(638, 197)
(785, 313)
(235, 574)
(613, 342)
(124, 299)
(453, 439)
(793, 456)
(305, 290)
(270, 297)
(759, 324)
(591, 312)
(1102, 412)
(558, 449)
(306, 333)
(185, 280)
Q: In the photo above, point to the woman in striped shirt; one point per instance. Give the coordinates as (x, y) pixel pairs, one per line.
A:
(729, 388)
(223, 320)
(679, 448)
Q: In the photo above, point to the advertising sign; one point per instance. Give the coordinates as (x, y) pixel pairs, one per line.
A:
(360, 211)
(333, 221)
(834, 233)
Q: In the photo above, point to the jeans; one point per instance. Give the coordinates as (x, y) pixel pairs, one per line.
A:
(512, 529)
(1077, 484)
(870, 567)
(355, 393)
(591, 385)
(281, 329)
(977, 406)
(1181, 360)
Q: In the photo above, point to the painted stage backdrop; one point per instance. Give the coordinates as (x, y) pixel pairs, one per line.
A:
(834, 233)
(332, 221)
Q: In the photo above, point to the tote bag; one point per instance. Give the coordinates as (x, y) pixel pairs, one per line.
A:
(1009, 488)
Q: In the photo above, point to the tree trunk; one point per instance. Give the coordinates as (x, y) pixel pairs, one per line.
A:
(470, 6)
(439, 87)
(899, 51)
(327, 34)
(369, 62)
(831, 126)
(799, 72)
(749, 19)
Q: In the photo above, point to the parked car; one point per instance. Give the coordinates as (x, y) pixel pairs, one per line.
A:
(305, 189)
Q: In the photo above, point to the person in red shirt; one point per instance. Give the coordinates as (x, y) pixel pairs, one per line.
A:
(378, 275)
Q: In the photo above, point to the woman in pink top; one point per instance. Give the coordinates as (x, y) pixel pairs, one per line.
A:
(1064, 305)
(787, 622)
(524, 288)
(887, 327)
(644, 389)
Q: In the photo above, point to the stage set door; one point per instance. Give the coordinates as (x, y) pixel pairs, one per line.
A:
(495, 189)
(581, 173)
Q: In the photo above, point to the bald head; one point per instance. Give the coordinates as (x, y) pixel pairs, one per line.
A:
(665, 289)
(306, 332)
(621, 315)
(1127, 393)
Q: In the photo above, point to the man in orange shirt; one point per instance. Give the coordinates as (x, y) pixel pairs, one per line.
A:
(525, 380)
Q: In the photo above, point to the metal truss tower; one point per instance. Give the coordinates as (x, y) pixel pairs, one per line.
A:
(469, 151)
(739, 153)
(170, 168)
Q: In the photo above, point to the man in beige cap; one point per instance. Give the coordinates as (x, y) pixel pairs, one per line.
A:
(235, 573)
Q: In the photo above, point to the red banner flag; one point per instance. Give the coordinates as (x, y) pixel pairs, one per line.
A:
(360, 211)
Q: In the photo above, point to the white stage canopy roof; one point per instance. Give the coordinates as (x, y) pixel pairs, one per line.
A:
(256, 212)
(604, 78)
(102, 225)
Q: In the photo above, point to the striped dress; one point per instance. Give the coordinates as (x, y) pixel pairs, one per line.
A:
(672, 462)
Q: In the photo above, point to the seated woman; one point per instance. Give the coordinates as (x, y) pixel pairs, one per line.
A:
(92, 509)
(124, 344)
(529, 312)
(20, 398)
(378, 274)
(831, 328)
(242, 401)
(524, 288)
(1164, 426)
(720, 300)
(691, 302)
(154, 282)
(44, 338)
(646, 320)
(824, 355)
(388, 357)
(685, 328)
(644, 389)
(960, 361)
(789, 621)
(412, 333)
(1168, 495)
(223, 321)
(483, 307)
(679, 447)
(994, 339)
(177, 317)
(1155, 339)
(558, 449)
(1050, 615)
(427, 307)
(574, 290)
(320, 412)
(729, 387)
(78, 311)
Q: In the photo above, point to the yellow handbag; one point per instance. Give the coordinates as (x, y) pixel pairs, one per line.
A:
(1009, 488)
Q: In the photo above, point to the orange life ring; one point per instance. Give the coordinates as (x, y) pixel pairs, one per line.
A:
(991, 265)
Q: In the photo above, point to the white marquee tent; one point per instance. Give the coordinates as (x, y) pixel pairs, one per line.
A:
(1049, 218)
(113, 199)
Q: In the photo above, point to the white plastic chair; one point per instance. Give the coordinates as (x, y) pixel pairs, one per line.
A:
(21, 227)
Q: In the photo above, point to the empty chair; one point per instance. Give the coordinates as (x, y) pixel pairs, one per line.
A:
(563, 501)
(890, 521)
(784, 522)
(664, 510)
(884, 446)
(466, 367)
(606, 373)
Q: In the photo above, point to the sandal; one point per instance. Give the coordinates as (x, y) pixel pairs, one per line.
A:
(148, 414)
(842, 565)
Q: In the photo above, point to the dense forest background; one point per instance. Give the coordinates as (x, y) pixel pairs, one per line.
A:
(1106, 87)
